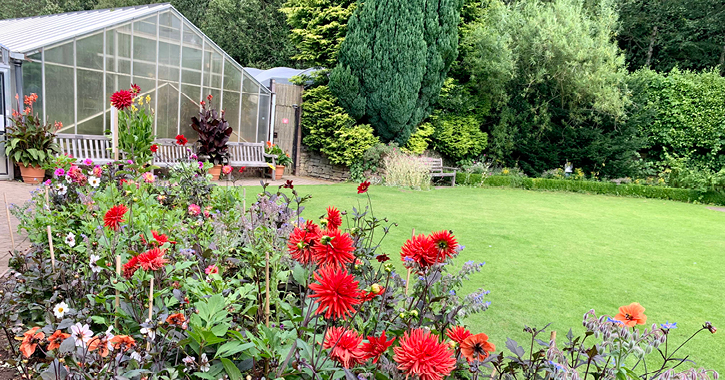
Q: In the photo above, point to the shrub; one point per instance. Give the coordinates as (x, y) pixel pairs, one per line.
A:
(214, 132)
(328, 129)
(680, 113)
(370, 165)
(419, 140)
(458, 137)
(406, 170)
(605, 188)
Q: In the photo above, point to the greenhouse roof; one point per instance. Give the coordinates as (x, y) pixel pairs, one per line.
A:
(24, 35)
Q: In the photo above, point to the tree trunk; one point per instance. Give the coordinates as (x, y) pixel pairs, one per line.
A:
(722, 61)
(651, 46)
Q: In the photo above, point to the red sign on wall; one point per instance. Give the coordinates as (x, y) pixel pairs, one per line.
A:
(285, 121)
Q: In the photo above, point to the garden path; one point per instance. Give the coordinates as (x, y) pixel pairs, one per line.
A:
(18, 192)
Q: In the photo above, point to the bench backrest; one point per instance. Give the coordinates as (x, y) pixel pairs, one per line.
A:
(169, 152)
(246, 152)
(96, 148)
(434, 164)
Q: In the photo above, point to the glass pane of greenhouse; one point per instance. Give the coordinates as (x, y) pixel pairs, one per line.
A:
(154, 47)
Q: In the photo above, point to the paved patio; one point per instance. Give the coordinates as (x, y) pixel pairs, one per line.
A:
(18, 192)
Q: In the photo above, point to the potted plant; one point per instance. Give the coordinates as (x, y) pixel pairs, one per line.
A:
(30, 142)
(283, 159)
(135, 124)
(214, 132)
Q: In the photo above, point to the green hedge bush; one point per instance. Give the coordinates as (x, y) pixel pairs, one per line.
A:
(606, 188)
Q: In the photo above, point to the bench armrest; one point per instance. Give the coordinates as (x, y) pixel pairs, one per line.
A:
(272, 156)
(450, 168)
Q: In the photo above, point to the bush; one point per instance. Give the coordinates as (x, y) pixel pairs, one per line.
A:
(458, 137)
(405, 170)
(605, 188)
(681, 113)
(328, 129)
(370, 165)
(419, 140)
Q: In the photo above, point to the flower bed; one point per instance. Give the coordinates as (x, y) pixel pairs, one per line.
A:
(151, 279)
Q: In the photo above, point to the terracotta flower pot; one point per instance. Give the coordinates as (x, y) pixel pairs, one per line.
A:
(215, 172)
(278, 172)
(32, 174)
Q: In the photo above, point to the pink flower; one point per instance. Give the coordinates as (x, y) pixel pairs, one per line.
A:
(194, 209)
(226, 169)
(207, 211)
(211, 269)
(47, 182)
(59, 172)
(148, 177)
(97, 171)
(88, 162)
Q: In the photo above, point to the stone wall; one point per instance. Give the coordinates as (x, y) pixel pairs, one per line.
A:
(314, 164)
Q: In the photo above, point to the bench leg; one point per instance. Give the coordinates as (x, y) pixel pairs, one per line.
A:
(453, 180)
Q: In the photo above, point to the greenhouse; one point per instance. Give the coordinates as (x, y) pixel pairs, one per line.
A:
(75, 61)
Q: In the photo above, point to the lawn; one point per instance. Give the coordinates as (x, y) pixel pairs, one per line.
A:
(550, 256)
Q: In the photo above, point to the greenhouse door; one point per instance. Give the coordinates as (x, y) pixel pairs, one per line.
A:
(4, 162)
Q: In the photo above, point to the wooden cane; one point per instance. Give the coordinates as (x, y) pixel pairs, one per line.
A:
(52, 251)
(118, 293)
(266, 280)
(151, 308)
(10, 226)
(552, 340)
(407, 280)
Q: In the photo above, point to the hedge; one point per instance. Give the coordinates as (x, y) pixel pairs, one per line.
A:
(606, 188)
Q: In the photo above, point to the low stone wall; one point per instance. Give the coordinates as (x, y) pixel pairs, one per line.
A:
(314, 164)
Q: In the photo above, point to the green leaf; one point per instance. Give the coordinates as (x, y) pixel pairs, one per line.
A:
(231, 369)
(231, 348)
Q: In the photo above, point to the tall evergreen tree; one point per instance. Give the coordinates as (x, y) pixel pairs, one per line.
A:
(394, 60)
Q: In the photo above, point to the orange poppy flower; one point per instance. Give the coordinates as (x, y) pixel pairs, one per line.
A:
(123, 341)
(30, 341)
(631, 315)
(56, 339)
(176, 319)
(101, 344)
(476, 347)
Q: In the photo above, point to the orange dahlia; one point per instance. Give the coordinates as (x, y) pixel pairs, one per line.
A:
(345, 345)
(421, 354)
(31, 338)
(177, 319)
(458, 334)
(124, 342)
(374, 347)
(631, 315)
(301, 242)
(114, 217)
(152, 259)
(56, 339)
(476, 347)
(333, 248)
(336, 292)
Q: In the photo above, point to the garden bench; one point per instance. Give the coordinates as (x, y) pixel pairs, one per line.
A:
(169, 152)
(437, 169)
(249, 155)
(81, 147)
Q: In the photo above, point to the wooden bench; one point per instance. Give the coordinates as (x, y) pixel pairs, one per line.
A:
(81, 147)
(437, 169)
(250, 155)
(169, 152)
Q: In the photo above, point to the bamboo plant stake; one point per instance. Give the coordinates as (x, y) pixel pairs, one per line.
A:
(10, 226)
(552, 340)
(118, 294)
(407, 280)
(151, 308)
(50, 234)
(266, 280)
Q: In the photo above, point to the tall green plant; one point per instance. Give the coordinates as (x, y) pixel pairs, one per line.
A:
(393, 62)
(29, 140)
(135, 129)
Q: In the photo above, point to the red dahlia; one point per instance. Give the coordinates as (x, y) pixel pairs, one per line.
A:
(374, 347)
(181, 140)
(152, 259)
(334, 220)
(301, 242)
(154, 148)
(458, 334)
(160, 238)
(336, 292)
(421, 354)
(334, 248)
(363, 187)
(122, 99)
(130, 267)
(345, 345)
(114, 217)
(420, 249)
(135, 89)
(445, 244)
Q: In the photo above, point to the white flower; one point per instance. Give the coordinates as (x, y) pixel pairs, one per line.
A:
(61, 188)
(95, 267)
(70, 239)
(60, 309)
(149, 331)
(136, 356)
(94, 181)
(109, 336)
(189, 360)
(204, 367)
(81, 334)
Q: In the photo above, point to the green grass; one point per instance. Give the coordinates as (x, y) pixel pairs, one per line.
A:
(551, 256)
